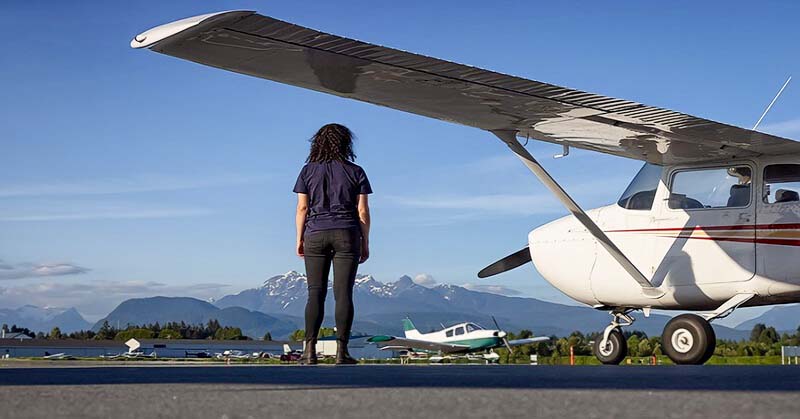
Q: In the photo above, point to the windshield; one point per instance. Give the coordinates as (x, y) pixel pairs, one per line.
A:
(642, 191)
(473, 327)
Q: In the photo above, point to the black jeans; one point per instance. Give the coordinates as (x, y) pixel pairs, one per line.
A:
(343, 248)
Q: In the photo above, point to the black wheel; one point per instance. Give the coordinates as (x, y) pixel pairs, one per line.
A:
(688, 339)
(615, 350)
(712, 344)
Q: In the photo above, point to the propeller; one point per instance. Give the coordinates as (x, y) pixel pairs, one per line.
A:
(502, 335)
(507, 263)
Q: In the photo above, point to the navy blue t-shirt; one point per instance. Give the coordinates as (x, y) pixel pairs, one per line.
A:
(332, 188)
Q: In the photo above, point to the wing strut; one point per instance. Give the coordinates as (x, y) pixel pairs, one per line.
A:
(510, 138)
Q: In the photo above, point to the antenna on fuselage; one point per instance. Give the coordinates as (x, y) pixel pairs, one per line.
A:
(772, 103)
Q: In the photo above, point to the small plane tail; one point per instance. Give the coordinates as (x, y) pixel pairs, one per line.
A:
(408, 325)
(409, 329)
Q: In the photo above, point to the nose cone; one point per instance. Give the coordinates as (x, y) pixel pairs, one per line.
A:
(563, 252)
(500, 334)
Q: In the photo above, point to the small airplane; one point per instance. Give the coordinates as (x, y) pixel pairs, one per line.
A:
(462, 338)
(60, 355)
(710, 223)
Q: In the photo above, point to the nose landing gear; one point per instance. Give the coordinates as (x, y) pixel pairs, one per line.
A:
(613, 347)
(614, 350)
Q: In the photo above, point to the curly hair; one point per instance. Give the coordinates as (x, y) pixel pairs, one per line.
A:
(331, 143)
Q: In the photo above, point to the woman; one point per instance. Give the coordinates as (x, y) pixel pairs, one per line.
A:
(332, 227)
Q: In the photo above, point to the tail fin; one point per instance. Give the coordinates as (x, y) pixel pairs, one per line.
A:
(408, 325)
(409, 329)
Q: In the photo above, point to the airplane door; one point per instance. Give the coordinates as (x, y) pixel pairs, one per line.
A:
(705, 232)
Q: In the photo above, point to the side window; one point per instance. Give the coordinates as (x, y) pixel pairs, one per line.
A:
(711, 188)
(449, 333)
(782, 183)
(459, 330)
(639, 195)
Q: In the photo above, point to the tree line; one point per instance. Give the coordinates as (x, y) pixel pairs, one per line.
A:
(171, 330)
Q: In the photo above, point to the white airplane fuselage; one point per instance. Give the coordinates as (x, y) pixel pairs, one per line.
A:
(700, 257)
(469, 334)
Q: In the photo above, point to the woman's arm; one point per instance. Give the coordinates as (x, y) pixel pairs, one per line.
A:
(364, 220)
(300, 221)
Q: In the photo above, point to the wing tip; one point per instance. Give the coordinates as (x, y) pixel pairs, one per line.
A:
(153, 35)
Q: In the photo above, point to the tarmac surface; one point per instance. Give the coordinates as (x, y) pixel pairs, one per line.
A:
(373, 391)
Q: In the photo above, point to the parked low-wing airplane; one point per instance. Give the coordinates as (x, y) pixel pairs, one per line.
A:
(462, 338)
(710, 223)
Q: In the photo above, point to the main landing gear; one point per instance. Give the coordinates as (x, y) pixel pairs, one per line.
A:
(687, 339)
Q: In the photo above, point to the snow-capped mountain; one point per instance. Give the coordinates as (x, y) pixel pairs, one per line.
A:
(41, 319)
(380, 307)
(286, 294)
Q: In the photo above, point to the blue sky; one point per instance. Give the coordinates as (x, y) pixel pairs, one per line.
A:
(127, 173)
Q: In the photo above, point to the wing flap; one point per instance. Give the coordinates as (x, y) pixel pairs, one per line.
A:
(265, 47)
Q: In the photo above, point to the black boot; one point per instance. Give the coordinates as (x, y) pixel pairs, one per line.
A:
(342, 356)
(309, 356)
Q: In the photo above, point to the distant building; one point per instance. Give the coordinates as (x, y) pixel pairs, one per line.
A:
(13, 336)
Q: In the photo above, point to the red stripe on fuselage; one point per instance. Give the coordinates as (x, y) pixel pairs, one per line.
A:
(714, 228)
(779, 242)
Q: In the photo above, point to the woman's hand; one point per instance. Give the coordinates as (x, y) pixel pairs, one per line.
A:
(300, 250)
(364, 251)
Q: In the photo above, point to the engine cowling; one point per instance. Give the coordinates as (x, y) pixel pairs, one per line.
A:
(564, 253)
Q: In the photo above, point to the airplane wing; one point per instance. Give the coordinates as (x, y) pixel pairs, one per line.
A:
(248, 43)
(518, 342)
(397, 343)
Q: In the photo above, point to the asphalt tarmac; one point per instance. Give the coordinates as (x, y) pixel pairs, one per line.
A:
(371, 391)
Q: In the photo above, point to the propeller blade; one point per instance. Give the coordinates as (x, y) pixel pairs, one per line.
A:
(510, 350)
(495, 324)
(507, 263)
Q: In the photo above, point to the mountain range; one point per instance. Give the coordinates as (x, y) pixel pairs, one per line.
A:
(381, 306)
(44, 319)
(141, 311)
(278, 305)
(782, 318)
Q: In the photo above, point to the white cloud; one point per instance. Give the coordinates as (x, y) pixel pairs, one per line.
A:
(497, 203)
(426, 280)
(593, 192)
(492, 289)
(36, 270)
(125, 214)
(131, 184)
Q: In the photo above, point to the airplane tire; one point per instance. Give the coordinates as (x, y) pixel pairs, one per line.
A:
(712, 344)
(615, 351)
(688, 339)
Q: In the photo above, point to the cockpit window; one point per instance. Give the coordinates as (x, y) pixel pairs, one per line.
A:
(449, 333)
(459, 331)
(724, 187)
(782, 183)
(642, 191)
(471, 327)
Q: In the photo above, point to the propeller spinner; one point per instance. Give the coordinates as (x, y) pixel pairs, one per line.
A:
(502, 335)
